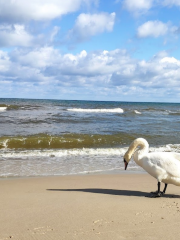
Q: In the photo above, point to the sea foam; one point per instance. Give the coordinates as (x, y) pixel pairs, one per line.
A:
(112, 110)
(137, 112)
(9, 153)
(3, 109)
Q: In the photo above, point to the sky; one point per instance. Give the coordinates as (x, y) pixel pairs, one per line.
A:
(118, 50)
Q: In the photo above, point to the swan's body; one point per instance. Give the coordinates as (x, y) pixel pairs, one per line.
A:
(164, 166)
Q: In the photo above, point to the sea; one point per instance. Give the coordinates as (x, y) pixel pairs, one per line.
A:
(61, 137)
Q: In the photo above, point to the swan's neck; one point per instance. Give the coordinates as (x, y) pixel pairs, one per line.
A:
(138, 147)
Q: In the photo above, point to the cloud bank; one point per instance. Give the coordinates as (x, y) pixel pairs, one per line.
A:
(35, 60)
(95, 71)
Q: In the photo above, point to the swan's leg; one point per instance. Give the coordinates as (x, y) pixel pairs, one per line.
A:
(158, 193)
(165, 188)
(159, 184)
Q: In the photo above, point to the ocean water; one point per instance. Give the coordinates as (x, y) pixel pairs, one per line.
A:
(55, 137)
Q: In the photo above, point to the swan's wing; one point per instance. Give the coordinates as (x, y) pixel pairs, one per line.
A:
(176, 155)
(167, 161)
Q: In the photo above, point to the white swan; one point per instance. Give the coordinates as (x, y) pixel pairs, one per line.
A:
(164, 166)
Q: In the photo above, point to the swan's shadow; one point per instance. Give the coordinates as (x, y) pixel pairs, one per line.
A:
(114, 192)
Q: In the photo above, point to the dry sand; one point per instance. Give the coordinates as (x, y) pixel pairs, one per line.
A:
(88, 207)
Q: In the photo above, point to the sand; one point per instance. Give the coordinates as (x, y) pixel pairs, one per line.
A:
(88, 207)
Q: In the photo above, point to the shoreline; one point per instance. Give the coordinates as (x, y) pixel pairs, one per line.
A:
(90, 207)
(114, 172)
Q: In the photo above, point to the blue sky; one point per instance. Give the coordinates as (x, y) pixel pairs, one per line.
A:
(119, 50)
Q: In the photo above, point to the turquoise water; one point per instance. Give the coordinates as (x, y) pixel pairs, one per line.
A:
(55, 137)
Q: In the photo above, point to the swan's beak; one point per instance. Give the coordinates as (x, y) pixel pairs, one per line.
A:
(125, 164)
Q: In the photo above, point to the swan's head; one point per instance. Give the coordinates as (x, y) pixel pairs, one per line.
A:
(127, 158)
(140, 143)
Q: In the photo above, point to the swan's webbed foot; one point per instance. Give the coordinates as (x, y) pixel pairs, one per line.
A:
(156, 194)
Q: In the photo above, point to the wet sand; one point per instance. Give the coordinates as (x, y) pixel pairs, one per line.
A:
(88, 207)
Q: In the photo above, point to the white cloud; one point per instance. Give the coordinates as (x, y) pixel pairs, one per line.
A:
(17, 26)
(155, 29)
(161, 72)
(88, 25)
(14, 35)
(38, 58)
(171, 2)
(91, 72)
(138, 6)
(38, 10)
(4, 62)
(54, 33)
(17, 35)
(170, 60)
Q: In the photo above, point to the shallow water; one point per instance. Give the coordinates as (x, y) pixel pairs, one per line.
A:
(54, 137)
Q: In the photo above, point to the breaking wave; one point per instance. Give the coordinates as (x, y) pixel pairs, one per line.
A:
(113, 110)
(2, 109)
(66, 141)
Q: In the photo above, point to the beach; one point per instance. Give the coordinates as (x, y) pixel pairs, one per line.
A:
(91, 207)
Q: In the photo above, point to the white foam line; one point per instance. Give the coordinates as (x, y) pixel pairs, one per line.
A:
(80, 152)
(137, 112)
(65, 152)
(3, 109)
(113, 110)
